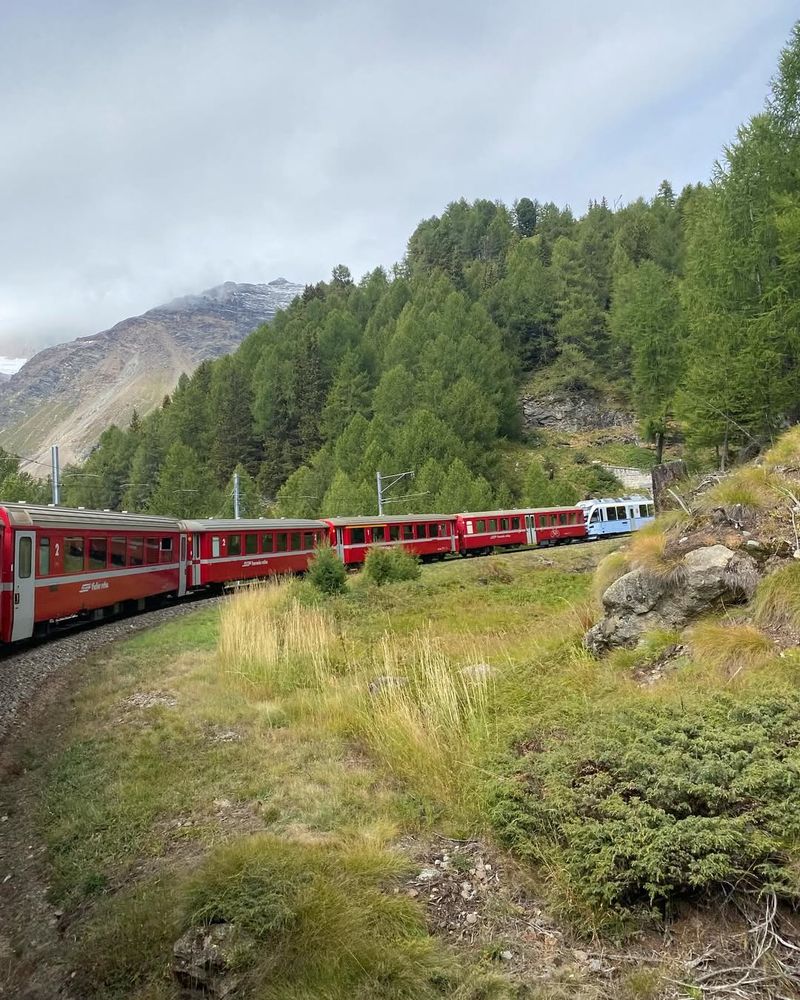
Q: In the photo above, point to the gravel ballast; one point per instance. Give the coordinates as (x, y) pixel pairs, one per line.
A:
(24, 671)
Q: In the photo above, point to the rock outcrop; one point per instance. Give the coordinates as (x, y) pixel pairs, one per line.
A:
(572, 411)
(642, 601)
(205, 960)
(70, 393)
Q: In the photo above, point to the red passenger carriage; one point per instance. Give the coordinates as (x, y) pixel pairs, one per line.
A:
(224, 551)
(58, 564)
(429, 536)
(479, 533)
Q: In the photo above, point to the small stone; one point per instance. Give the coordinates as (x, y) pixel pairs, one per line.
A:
(6, 879)
(472, 918)
(595, 965)
(3, 819)
(427, 874)
(506, 956)
(580, 956)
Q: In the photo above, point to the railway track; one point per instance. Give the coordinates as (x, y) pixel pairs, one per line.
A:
(25, 670)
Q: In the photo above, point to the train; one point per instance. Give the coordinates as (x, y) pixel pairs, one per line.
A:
(60, 566)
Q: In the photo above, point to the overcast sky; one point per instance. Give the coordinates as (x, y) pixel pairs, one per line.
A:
(151, 149)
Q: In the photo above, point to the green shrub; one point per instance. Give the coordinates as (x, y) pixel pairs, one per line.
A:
(643, 807)
(390, 565)
(327, 572)
(323, 920)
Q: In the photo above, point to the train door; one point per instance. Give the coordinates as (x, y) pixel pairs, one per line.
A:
(24, 585)
(530, 529)
(182, 566)
(196, 559)
(340, 543)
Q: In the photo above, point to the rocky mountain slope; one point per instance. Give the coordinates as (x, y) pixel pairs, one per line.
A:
(68, 394)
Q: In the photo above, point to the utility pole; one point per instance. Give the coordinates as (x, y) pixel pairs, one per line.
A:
(55, 474)
(385, 483)
(236, 513)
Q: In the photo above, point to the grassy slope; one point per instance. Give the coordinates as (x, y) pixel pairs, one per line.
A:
(238, 740)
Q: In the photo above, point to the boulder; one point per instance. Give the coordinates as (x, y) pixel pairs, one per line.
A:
(642, 601)
(477, 671)
(205, 958)
(385, 683)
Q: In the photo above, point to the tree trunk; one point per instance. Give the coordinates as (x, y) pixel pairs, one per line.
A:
(659, 446)
(663, 477)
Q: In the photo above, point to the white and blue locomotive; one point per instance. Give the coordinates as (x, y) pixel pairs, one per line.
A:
(616, 515)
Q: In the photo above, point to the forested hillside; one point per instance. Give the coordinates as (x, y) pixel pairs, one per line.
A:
(686, 304)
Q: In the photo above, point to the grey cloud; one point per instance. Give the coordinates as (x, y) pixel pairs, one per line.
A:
(148, 150)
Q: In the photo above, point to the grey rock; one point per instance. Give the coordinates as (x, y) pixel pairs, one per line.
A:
(477, 671)
(386, 683)
(572, 411)
(641, 601)
(205, 958)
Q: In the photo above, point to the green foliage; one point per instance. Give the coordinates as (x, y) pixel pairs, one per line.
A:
(649, 805)
(390, 565)
(327, 571)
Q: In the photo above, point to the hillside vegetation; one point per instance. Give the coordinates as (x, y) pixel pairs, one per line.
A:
(431, 788)
(685, 305)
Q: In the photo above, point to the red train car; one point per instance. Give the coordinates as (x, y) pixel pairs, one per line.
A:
(481, 532)
(224, 551)
(58, 564)
(429, 536)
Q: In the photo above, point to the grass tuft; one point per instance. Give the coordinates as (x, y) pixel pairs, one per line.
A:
(730, 646)
(786, 451)
(754, 487)
(777, 598)
(648, 551)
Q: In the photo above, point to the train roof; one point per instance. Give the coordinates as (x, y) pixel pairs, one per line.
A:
(341, 522)
(515, 511)
(250, 524)
(634, 498)
(28, 515)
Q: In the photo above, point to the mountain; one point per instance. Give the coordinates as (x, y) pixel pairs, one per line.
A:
(69, 394)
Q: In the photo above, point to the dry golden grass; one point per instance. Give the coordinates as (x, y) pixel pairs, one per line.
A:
(731, 647)
(271, 643)
(648, 550)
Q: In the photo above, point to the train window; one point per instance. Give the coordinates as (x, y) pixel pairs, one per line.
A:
(135, 551)
(25, 558)
(98, 553)
(44, 557)
(234, 545)
(433, 530)
(504, 524)
(117, 551)
(421, 531)
(444, 529)
(611, 513)
(595, 516)
(308, 540)
(562, 518)
(408, 532)
(266, 542)
(250, 544)
(151, 549)
(73, 555)
(492, 524)
(515, 524)
(295, 543)
(166, 550)
(480, 525)
(357, 536)
(621, 514)
(215, 546)
(281, 542)
(394, 532)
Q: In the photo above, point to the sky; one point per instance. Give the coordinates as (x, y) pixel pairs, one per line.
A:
(154, 149)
